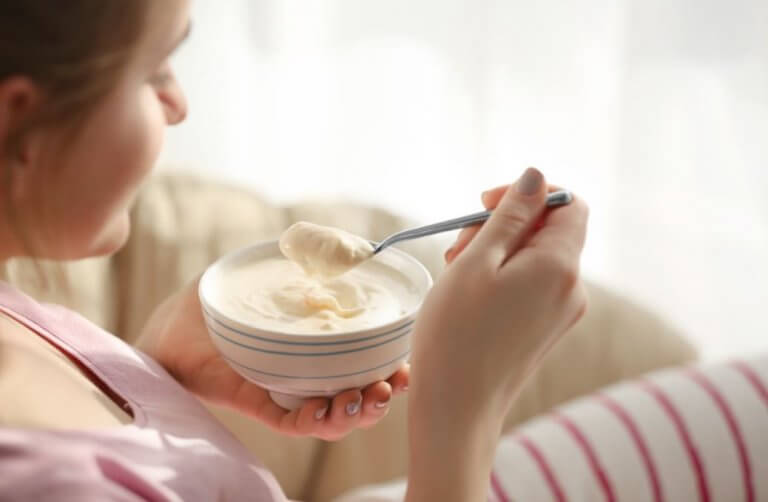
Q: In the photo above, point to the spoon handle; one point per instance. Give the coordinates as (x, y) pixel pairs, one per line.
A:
(554, 199)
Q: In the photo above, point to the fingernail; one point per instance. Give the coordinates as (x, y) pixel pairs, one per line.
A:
(381, 404)
(530, 182)
(404, 388)
(353, 408)
(483, 195)
(448, 251)
(320, 414)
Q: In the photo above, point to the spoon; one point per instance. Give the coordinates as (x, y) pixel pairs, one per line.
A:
(555, 199)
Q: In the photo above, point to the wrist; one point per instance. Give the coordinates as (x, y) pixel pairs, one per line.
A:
(152, 332)
(467, 394)
(147, 338)
(451, 451)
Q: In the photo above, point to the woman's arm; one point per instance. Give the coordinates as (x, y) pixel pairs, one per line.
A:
(509, 295)
(450, 455)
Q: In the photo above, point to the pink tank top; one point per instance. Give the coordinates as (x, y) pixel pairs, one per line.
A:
(174, 450)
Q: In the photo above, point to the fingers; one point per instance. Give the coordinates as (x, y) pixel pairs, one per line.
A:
(334, 419)
(563, 233)
(517, 212)
(343, 415)
(376, 398)
(353, 409)
(462, 240)
(311, 416)
(551, 260)
(490, 199)
(399, 380)
(253, 400)
(318, 417)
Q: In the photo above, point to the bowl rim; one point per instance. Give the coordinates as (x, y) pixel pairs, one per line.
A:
(336, 337)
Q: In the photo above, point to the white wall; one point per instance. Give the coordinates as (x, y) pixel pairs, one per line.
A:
(655, 111)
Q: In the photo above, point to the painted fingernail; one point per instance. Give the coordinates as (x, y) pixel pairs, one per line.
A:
(353, 408)
(320, 414)
(530, 182)
(381, 404)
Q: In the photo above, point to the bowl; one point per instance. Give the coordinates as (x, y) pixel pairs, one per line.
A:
(297, 366)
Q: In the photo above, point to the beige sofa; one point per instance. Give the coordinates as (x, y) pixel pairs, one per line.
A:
(182, 223)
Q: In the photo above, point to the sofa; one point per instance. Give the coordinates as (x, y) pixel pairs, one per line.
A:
(181, 223)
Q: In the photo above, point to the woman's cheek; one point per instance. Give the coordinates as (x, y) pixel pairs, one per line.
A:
(153, 127)
(142, 148)
(135, 152)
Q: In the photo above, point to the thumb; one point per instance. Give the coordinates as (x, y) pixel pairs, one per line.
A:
(513, 219)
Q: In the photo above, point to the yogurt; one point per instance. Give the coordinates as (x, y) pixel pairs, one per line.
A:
(324, 251)
(276, 294)
(330, 283)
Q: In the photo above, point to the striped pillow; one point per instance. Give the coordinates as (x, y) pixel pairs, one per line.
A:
(679, 435)
(692, 434)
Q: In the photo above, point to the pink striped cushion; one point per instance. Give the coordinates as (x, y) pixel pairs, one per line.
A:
(677, 435)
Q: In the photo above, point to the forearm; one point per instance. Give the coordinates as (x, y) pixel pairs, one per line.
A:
(150, 333)
(180, 313)
(450, 455)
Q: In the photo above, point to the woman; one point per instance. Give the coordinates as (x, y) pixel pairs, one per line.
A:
(86, 92)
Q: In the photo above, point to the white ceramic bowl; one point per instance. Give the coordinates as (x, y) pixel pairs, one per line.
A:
(298, 366)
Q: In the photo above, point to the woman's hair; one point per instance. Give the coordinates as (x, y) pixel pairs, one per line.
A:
(75, 52)
(73, 49)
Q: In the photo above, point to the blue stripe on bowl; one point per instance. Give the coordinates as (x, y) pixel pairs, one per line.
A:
(285, 342)
(308, 354)
(232, 361)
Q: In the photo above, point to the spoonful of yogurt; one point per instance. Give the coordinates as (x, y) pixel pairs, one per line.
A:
(328, 252)
(323, 251)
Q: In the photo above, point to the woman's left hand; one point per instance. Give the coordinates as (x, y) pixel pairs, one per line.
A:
(177, 338)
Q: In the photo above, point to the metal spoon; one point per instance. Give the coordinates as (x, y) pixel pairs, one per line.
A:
(554, 199)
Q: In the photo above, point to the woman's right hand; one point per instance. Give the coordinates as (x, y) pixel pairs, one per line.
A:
(511, 289)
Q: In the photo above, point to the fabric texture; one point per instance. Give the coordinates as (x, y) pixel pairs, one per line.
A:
(173, 451)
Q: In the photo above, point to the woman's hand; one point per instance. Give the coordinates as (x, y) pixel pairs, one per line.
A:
(510, 290)
(177, 338)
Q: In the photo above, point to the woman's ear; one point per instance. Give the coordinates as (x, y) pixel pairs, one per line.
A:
(20, 99)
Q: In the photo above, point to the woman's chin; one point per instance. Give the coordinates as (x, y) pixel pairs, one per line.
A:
(82, 243)
(107, 241)
(113, 237)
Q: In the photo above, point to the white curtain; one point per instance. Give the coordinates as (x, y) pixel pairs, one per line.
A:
(655, 111)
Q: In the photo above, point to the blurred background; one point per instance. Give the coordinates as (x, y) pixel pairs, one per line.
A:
(654, 111)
